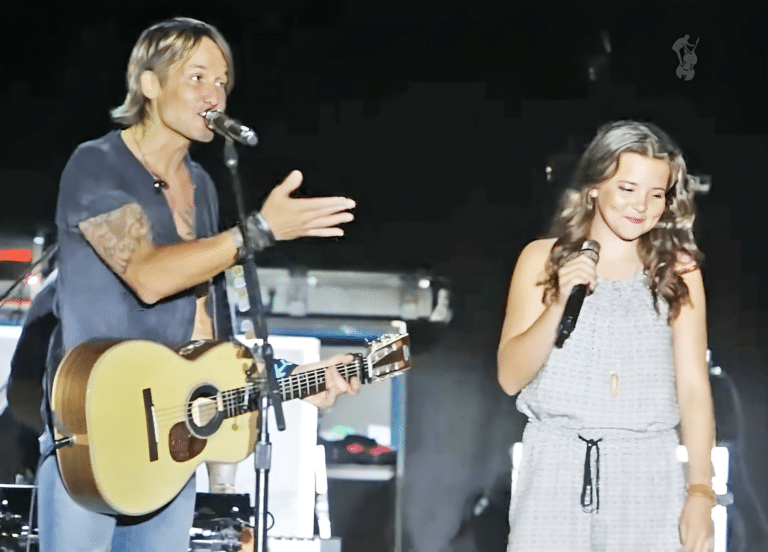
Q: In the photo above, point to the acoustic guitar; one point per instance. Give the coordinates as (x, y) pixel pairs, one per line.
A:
(133, 418)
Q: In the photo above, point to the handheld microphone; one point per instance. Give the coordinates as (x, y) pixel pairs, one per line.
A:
(573, 306)
(220, 122)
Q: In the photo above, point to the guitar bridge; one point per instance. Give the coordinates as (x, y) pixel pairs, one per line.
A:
(149, 414)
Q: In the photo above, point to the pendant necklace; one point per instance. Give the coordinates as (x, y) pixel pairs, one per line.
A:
(614, 384)
(158, 183)
(182, 210)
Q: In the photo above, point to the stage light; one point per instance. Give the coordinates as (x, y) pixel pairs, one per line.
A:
(322, 508)
(700, 184)
(16, 255)
(516, 452)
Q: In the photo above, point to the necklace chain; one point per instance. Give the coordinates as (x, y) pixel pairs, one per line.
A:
(158, 181)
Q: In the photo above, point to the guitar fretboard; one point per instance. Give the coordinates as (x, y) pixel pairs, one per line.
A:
(307, 383)
(242, 400)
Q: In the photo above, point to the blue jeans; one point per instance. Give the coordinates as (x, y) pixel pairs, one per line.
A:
(65, 526)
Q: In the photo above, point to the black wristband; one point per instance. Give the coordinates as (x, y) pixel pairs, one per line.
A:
(257, 236)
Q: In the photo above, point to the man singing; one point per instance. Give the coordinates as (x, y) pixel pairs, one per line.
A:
(139, 243)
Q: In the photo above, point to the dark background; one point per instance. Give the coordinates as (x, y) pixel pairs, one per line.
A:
(439, 118)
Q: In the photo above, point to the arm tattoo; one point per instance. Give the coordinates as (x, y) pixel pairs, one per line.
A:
(116, 235)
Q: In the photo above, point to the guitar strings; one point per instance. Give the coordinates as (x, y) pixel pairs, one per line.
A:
(232, 399)
(316, 379)
(229, 398)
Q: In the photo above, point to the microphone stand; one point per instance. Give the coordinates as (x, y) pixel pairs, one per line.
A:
(262, 453)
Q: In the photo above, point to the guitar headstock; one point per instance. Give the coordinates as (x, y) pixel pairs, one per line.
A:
(387, 356)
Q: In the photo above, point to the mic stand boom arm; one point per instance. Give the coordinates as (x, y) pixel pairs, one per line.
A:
(263, 449)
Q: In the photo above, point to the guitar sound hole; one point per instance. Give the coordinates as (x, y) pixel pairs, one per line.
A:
(204, 417)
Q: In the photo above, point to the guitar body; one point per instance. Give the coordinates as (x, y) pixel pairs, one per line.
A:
(133, 419)
(138, 416)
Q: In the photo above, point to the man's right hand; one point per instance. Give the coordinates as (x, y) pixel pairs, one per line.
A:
(290, 218)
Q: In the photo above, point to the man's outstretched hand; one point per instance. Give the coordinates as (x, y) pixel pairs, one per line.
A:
(291, 217)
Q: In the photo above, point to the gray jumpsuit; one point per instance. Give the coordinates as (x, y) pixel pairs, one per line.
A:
(599, 470)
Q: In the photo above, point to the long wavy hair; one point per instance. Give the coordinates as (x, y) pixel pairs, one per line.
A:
(666, 247)
(158, 48)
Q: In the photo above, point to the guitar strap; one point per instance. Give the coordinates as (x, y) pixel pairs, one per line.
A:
(54, 358)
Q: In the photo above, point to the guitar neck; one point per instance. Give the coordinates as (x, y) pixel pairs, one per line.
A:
(298, 386)
(242, 400)
(387, 358)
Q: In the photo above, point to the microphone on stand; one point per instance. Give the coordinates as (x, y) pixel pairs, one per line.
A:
(220, 122)
(573, 307)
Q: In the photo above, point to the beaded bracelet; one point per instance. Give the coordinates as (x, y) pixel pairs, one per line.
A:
(704, 491)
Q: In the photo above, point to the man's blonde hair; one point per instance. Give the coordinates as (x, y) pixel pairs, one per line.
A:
(157, 49)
